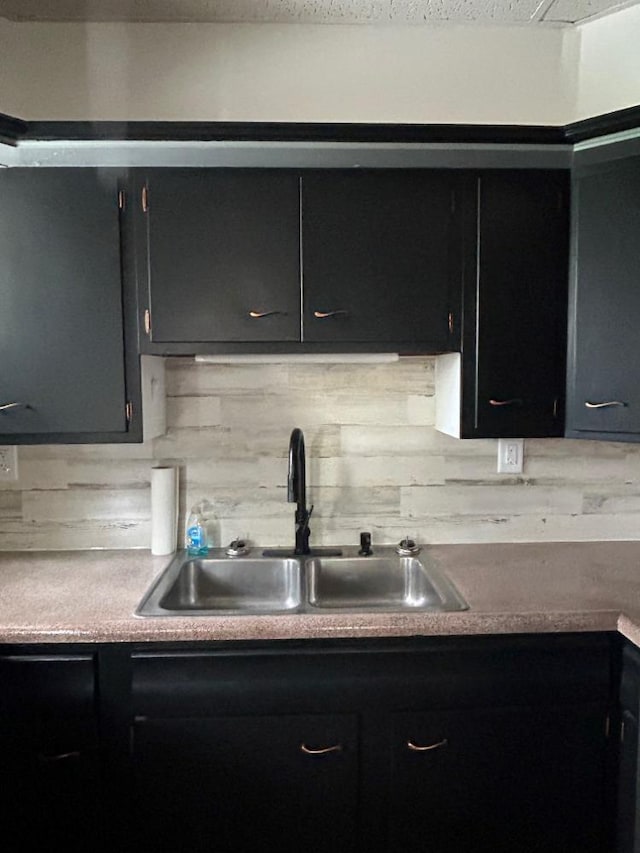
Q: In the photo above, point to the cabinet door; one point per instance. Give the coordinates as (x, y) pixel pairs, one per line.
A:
(50, 782)
(49, 772)
(514, 354)
(286, 783)
(380, 258)
(498, 780)
(604, 353)
(223, 255)
(62, 367)
(627, 785)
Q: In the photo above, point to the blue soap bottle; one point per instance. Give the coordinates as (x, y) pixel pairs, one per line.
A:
(196, 541)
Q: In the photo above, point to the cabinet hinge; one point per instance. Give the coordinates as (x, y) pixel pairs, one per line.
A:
(121, 199)
(147, 321)
(621, 731)
(555, 407)
(145, 199)
(450, 321)
(128, 411)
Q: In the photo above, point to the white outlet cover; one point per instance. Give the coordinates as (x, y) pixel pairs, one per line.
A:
(510, 455)
(8, 463)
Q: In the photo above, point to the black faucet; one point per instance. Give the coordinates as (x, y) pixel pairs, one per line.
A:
(296, 490)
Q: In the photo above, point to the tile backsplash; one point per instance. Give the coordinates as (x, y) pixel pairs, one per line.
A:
(374, 462)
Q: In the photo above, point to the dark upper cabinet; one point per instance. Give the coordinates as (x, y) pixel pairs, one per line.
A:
(510, 379)
(380, 258)
(67, 361)
(267, 260)
(604, 357)
(223, 255)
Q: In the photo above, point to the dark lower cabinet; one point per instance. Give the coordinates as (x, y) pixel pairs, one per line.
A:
(490, 744)
(50, 779)
(627, 734)
(627, 811)
(50, 784)
(498, 780)
(238, 784)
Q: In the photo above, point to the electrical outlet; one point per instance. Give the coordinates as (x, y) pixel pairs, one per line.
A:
(510, 455)
(8, 463)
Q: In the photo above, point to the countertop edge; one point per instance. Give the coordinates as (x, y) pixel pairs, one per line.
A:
(317, 627)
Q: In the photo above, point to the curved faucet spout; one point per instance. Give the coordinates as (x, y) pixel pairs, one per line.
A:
(297, 490)
(297, 476)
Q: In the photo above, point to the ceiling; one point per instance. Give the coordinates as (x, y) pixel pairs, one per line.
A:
(533, 12)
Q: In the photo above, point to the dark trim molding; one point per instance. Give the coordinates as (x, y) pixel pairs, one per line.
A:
(590, 128)
(296, 132)
(11, 129)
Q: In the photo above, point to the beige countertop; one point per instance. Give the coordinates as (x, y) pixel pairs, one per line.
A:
(90, 596)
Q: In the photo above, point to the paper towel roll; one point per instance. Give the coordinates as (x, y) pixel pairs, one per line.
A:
(164, 510)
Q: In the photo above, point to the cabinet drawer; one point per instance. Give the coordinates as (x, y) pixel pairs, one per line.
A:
(462, 672)
(47, 686)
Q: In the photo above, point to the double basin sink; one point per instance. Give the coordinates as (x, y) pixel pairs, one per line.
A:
(229, 586)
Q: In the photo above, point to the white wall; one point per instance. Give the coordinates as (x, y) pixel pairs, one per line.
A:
(270, 72)
(609, 77)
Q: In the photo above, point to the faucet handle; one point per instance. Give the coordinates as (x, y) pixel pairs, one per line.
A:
(365, 544)
(407, 547)
(237, 548)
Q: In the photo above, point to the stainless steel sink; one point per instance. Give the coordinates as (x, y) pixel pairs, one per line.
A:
(379, 583)
(209, 586)
(222, 586)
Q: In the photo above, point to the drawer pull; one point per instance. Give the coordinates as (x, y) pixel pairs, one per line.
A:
(4, 407)
(61, 756)
(337, 747)
(606, 405)
(415, 748)
(324, 315)
(258, 315)
(516, 401)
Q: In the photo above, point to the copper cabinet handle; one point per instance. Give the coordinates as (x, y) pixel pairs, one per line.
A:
(323, 315)
(515, 401)
(61, 756)
(415, 748)
(258, 315)
(4, 407)
(323, 751)
(604, 405)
